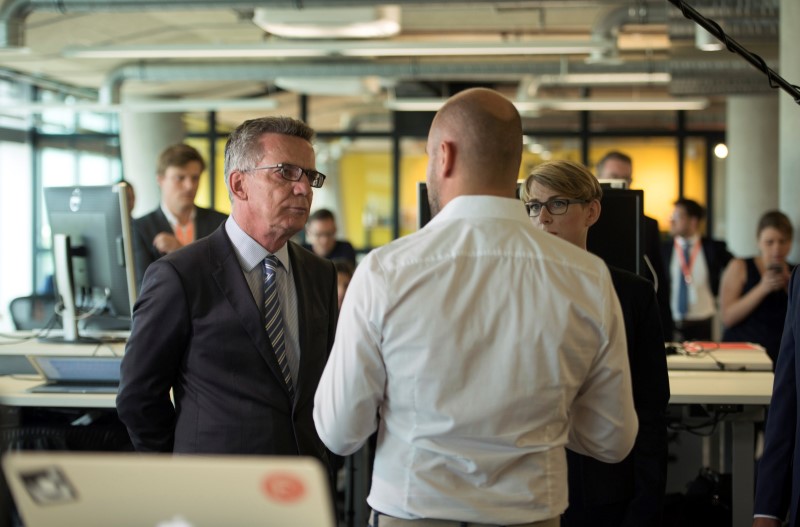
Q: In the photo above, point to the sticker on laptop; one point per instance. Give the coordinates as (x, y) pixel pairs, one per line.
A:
(48, 486)
(284, 488)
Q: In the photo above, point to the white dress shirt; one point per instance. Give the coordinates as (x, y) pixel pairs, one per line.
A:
(487, 346)
(702, 305)
(251, 256)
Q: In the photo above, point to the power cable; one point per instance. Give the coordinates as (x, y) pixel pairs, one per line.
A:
(775, 80)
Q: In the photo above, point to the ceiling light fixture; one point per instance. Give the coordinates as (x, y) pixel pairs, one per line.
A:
(146, 106)
(599, 105)
(321, 22)
(313, 49)
(705, 41)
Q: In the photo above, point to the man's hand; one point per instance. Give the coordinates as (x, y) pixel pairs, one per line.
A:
(166, 242)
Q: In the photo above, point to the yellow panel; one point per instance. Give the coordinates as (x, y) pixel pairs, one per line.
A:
(367, 201)
(655, 170)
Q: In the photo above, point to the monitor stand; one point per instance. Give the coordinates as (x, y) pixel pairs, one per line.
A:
(64, 279)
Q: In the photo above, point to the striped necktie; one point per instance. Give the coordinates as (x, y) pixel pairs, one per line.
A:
(683, 285)
(273, 320)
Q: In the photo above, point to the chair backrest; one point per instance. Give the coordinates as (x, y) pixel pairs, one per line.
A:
(34, 312)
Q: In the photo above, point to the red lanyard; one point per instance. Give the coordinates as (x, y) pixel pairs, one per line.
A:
(686, 267)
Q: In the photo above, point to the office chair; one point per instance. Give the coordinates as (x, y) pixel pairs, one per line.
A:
(34, 312)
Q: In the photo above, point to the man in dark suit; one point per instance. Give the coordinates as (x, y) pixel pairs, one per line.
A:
(239, 324)
(619, 166)
(177, 221)
(695, 269)
(629, 493)
(778, 479)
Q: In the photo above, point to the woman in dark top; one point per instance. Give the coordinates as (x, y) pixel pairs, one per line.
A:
(753, 293)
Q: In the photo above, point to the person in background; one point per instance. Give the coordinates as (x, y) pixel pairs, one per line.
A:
(778, 471)
(344, 273)
(618, 166)
(695, 265)
(321, 235)
(563, 198)
(754, 291)
(477, 347)
(236, 327)
(177, 221)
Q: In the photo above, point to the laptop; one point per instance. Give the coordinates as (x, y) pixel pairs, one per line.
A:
(725, 356)
(76, 374)
(161, 490)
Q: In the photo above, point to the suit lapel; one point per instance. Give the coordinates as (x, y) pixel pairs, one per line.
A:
(228, 276)
(301, 281)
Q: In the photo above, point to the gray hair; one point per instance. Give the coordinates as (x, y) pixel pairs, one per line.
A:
(243, 150)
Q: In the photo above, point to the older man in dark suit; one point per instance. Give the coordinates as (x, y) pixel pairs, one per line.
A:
(778, 481)
(238, 324)
(177, 221)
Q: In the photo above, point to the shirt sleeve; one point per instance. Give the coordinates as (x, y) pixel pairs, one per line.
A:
(351, 389)
(602, 417)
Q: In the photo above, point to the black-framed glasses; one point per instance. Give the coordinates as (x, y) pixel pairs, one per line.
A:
(555, 206)
(291, 172)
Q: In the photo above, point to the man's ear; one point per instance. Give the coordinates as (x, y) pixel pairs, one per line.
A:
(238, 185)
(594, 212)
(447, 159)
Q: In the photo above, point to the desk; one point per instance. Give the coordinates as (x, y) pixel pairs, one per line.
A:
(13, 392)
(25, 343)
(752, 390)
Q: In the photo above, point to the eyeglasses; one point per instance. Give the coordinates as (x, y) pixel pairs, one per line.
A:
(555, 206)
(294, 173)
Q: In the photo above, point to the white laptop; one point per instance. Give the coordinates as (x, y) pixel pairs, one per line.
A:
(725, 356)
(160, 490)
(76, 374)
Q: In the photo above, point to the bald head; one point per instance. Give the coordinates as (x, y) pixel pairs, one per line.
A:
(485, 131)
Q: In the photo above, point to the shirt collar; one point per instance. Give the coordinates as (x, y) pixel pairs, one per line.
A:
(249, 252)
(171, 218)
(483, 207)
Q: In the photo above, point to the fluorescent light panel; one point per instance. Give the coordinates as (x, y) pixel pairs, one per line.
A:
(600, 105)
(153, 106)
(333, 48)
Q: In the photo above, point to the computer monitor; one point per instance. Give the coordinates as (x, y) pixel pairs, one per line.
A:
(618, 235)
(92, 251)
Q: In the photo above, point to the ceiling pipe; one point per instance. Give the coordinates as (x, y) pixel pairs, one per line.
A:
(408, 69)
(607, 28)
(14, 12)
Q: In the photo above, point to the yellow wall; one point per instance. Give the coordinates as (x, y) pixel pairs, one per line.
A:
(366, 184)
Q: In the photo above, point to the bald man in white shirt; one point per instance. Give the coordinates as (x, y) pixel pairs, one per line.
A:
(485, 346)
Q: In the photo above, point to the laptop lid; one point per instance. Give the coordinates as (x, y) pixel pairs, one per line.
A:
(76, 372)
(143, 490)
(726, 356)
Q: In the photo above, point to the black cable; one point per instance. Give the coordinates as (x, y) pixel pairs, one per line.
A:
(775, 80)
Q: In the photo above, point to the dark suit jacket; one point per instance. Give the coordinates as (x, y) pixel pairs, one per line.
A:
(637, 484)
(778, 481)
(658, 274)
(197, 330)
(716, 254)
(147, 227)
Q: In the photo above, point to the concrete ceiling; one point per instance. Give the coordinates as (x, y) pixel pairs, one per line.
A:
(641, 36)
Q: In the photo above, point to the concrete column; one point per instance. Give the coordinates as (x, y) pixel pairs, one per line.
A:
(142, 138)
(751, 186)
(789, 142)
